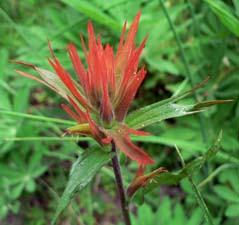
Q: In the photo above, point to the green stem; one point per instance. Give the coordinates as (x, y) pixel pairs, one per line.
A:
(216, 171)
(199, 197)
(15, 26)
(120, 187)
(177, 38)
(187, 69)
(201, 201)
(195, 22)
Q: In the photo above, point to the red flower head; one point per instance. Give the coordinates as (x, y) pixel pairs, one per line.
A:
(101, 98)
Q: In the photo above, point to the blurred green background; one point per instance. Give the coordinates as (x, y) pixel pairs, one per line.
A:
(35, 162)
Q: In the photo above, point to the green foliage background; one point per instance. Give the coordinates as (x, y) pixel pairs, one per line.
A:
(35, 162)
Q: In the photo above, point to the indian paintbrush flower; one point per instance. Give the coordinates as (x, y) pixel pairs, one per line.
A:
(100, 99)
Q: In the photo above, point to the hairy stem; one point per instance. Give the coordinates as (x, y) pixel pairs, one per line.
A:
(120, 187)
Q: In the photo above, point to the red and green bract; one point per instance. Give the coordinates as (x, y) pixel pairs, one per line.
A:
(101, 97)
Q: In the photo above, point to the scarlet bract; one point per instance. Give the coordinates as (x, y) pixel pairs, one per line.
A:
(101, 97)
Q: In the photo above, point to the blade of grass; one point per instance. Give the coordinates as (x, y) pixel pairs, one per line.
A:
(187, 69)
(201, 202)
(14, 25)
(47, 139)
(4, 85)
(149, 139)
(200, 58)
(181, 87)
(216, 172)
(62, 30)
(198, 195)
(225, 14)
(18, 29)
(93, 12)
(34, 117)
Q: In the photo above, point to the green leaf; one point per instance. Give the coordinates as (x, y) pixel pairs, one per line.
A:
(196, 217)
(189, 169)
(156, 113)
(173, 214)
(17, 191)
(82, 172)
(3, 62)
(163, 65)
(93, 12)
(226, 193)
(170, 141)
(232, 210)
(5, 99)
(31, 186)
(225, 15)
(3, 210)
(21, 100)
(167, 109)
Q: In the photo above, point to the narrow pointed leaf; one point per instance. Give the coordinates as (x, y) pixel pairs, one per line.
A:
(82, 172)
(36, 117)
(191, 168)
(93, 12)
(164, 110)
(167, 109)
(53, 80)
(147, 116)
(225, 14)
(49, 79)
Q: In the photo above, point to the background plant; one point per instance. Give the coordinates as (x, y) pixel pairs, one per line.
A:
(31, 178)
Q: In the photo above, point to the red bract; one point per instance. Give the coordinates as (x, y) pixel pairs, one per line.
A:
(142, 179)
(101, 98)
